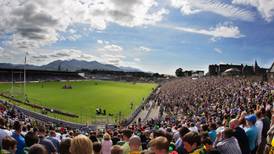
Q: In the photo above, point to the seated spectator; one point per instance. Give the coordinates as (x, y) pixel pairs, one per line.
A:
(251, 132)
(106, 144)
(134, 144)
(117, 149)
(226, 143)
(159, 145)
(9, 145)
(18, 137)
(192, 143)
(97, 148)
(37, 149)
(81, 145)
(65, 146)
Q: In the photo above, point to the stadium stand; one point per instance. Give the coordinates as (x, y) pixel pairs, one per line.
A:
(203, 116)
(17, 75)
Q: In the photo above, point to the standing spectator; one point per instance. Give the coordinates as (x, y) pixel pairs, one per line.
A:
(106, 144)
(159, 145)
(97, 148)
(266, 126)
(251, 132)
(229, 144)
(3, 132)
(93, 137)
(126, 135)
(134, 144)
(81, 145)
(46, 142)
(9, 145)
(179, 144)
(115, 139)
(37, 149)
(192, 143)
(116, 149)
(18, 137)
(65, 146)
(54, 140)
(30, 138)
(240, 135)
(212, 133)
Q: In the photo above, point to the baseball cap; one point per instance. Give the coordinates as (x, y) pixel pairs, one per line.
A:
(251, 118)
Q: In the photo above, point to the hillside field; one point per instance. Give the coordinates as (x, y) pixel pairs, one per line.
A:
(84, 97)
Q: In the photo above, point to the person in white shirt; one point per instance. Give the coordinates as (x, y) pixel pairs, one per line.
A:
(3, 131)
(259, 125)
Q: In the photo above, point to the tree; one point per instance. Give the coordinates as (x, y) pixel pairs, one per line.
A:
(179, 72)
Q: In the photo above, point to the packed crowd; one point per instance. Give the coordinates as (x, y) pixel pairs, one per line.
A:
(203, 116)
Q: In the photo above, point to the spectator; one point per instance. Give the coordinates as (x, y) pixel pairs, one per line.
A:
(18, 137)
(226, 143)
(81, 145)
(180, 145)
(44, 141)
(134, 144)
(97, 148)
(159, 145)
(208, 146)
(3, 132)
(115, 139)
(212, 133)
(37, 149)
(106, 144)
(240, 135)
(251, 132)
(9, 145)
(126, 135)
(65, 146)
(192, 143)
(30, 139)
(117, 149)
(54, 140)
(93, 137)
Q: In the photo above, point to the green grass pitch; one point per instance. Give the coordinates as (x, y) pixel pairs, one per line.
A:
(84, 97)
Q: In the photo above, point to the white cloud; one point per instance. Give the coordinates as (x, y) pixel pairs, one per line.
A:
(36, 23)
(137, 59)
(225, 30)
(218, 50)
(188, 7)
(111, 54)
(265, 7)
(144, 49)
(100, 41)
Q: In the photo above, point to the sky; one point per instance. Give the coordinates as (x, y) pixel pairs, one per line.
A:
(152, 35)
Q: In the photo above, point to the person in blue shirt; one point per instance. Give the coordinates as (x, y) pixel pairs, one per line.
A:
(251, 132)
(212, 133)
(18, 137)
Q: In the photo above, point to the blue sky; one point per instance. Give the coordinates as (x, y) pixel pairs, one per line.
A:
(158, 36)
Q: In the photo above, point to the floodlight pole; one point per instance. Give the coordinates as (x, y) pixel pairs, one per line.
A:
(25, 74)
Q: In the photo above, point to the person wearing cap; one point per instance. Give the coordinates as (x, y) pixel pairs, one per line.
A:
(251, 132)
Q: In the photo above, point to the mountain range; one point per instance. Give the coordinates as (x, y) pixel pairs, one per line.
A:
(72, 65)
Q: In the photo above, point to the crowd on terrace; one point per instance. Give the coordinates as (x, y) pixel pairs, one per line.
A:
(202, 116)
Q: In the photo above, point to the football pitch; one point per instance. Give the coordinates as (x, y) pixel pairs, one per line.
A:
(119, 99)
